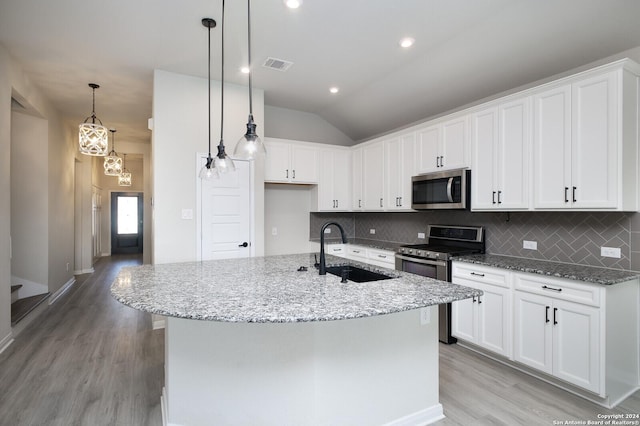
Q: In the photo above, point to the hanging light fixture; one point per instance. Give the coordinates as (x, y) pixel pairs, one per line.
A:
(221, 163)
(124, 179)
(112, 163)
(250, 145)
(93, 137)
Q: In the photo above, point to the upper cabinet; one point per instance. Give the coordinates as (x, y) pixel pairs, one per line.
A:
(356, 179)
(334, 187)
(443, 146)
(585, 142)
(500, 164)
(291, 161)
(373, 176)
(399, 166)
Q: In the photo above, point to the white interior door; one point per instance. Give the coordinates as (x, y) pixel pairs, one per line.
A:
(226, 214)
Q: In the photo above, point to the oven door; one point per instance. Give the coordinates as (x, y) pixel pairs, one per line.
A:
(424, 267)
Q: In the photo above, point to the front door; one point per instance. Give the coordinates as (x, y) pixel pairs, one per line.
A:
(226, 214)
(126, 222)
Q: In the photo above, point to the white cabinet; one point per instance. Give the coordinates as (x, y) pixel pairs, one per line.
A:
(555, 335)
(484, 320)
(585, 145)
(373, 176)
(400, 166)
(500, 164)
(443, 146)
(334, 187)
(356, 182)
(290, 162)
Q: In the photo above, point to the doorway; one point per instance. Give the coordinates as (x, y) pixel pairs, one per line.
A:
(126, 222)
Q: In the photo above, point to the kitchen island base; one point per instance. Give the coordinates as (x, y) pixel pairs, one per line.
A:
(375, 370)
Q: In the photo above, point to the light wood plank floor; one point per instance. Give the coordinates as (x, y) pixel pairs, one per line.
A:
(92, 361)
(87, 360)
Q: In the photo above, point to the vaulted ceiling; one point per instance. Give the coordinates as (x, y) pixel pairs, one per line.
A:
(465, 50)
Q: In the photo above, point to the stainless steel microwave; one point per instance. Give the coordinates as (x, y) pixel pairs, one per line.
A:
(450, 189)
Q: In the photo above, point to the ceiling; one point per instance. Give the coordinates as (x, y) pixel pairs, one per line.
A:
(465, 50)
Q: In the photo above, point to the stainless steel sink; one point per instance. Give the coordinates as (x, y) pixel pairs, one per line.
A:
(356, 274)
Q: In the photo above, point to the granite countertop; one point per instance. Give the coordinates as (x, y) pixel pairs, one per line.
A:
(584, 273)
(270, 289)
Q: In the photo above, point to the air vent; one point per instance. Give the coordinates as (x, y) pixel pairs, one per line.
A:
(277, 64)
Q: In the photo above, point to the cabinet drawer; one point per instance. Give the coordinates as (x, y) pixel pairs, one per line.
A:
(383, 256)
(335, 249)
(557, 288)
(481, 274)
(356, 252)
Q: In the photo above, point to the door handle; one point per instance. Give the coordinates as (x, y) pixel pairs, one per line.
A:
(566, 197)
(499, 193)
(287, 171)
(449, 190)
(546, 314)
(574, 194)
(437, 162)
(380, 202)
(294, 173)
(245, 244)
(554, 316)
(493, 197)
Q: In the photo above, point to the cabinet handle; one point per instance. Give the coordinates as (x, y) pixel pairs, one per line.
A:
(359, 204)
(554, 316)
(382, 256)
(493, 197)
(380, 202)
(474, 299)
(337, 204)
(437, 161)
(400, 201)
(356, 251)
(479, 300)
(566, 197)
(294, 173)
(477, 274)
(574, 194)
(442, 161)
(544, 287)
(546, 314)
(287, 173)
(499, 193)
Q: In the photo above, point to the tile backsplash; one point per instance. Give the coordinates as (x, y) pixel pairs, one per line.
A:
(570, 237)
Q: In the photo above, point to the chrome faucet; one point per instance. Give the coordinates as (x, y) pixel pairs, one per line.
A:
(322, 269)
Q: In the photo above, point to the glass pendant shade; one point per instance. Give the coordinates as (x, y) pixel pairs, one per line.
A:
(93, 138)
(112, 162)
(208, 172)
(250, 145)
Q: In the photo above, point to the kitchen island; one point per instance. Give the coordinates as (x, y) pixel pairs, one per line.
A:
(267, 340)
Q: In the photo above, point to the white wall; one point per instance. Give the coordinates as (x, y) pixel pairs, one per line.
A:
(29, 208)
(303, 126)
(180, 132)
(286, 208)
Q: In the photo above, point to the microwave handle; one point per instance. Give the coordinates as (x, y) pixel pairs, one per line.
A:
(449, 189)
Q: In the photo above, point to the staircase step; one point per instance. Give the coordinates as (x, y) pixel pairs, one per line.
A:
(21, 307)
(16, 287)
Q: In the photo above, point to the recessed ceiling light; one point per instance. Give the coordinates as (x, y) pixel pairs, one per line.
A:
(407, 42)
(334, 90)
(244, 70)
(293, 4)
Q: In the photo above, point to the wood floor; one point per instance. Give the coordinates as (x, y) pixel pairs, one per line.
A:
(88, 360)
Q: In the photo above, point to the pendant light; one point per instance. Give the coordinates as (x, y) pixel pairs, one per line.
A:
(124, 179)
(93, 137)
(221, 163)
(250, 145)
(112, 163)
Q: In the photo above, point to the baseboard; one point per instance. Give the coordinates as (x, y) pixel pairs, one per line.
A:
(105, 254)
(5, 342)
(423, 417)
(84, 271)
(54, 297)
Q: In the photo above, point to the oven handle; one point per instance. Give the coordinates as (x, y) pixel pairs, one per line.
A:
(449, 186)
(423, 261)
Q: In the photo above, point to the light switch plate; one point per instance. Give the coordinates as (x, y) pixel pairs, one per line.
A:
(187, 214)
(529, 245)
(274, 231)
(611, 252)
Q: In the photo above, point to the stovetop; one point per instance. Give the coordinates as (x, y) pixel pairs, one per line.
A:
(428, 251)
(447, 241)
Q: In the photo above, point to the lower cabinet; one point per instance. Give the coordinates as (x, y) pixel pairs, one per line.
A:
(580, 336)
(486, 320)
(556, 336)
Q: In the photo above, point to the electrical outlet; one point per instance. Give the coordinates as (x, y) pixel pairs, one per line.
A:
(425, 316)
(187, 214)
(372, 231)
(421, 235)
(610, 252)
(327, 230)
(274, 231)
(529, 245)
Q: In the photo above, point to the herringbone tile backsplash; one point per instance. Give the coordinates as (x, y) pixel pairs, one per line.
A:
(570, 237)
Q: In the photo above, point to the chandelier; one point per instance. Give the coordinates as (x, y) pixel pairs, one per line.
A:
(93, 138)
(112, 163)
(124, 179)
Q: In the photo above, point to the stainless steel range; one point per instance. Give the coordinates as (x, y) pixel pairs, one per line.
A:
(433, 260)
